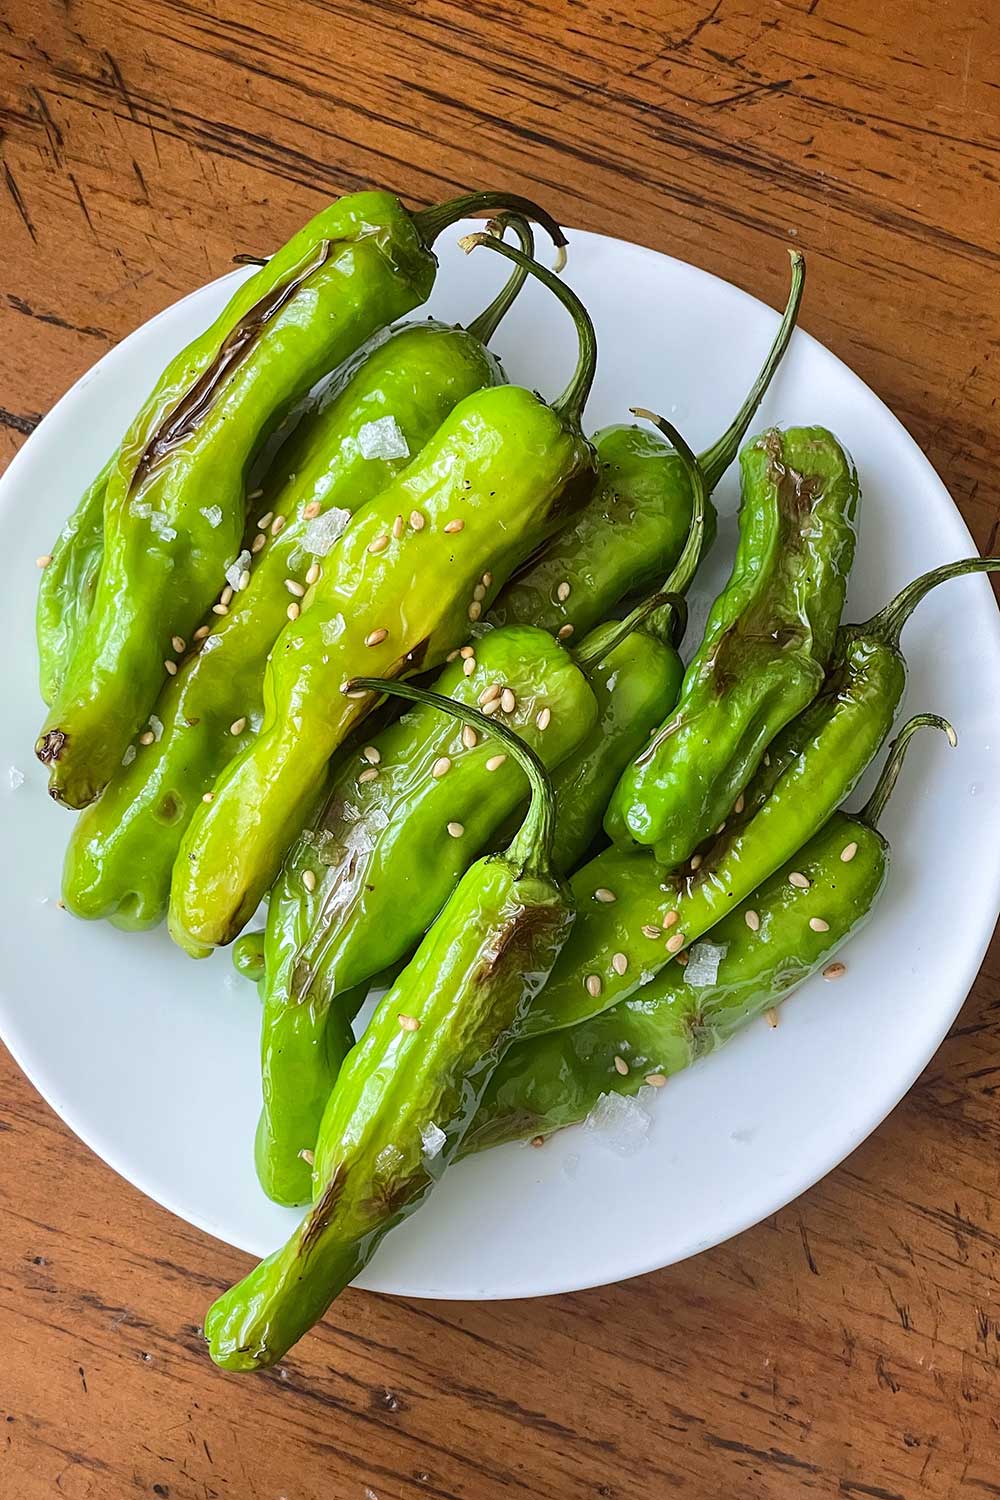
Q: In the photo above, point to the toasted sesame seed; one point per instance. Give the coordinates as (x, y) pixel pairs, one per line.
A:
(372, 755)
(682, 959)
(312, 510)
(220, 609)
(313, 573)
(368, 774)
(466, 651)
(470, 738)
(739, 804)
(752, 919)
(489, 693)
(147, 737)
(771, 1017)
(294, 588)
(650, 931)
(818, 924)
(456, 525)
(376, 637)
(226, 597)
(265, 520)
(409, 1023)
(675, 943)
(309, 880)
(603, 894)
(670, 918)
(508, 702)
(397, 527)
(178, 642)
(474, 610)
(721, 828)
(655, 1080)
(696, 860)
(801, 882)
(456, 830)
(495, 762)
(309, 1157)
(489, 709)
(479, 592)
(621, 1066)
(293, 611)
(593, 985)
(441, 766)
(536, 1141)
(258, 542)
(208, 797)
(171, 667)
(278, 524)
(544, 719)
(835, 971)
(44, 560)
(201, 632)
(379, 544)
(620, 963)
(417, 521)
(562, 592)
(244, 579)
(564, 633)
(238, 725)
(487, 579)
(469, 665)
(848, 852)
(452, 655)
(255, 494)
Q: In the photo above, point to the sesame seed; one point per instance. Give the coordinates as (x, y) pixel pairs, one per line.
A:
(178, 642)
(265, 520)
(220, 609)
(238, 725)
(752, 919)
(278, 524)
(495, 762)
(456, 525)
(564, 633)
(201, 632)
(621, 1066)
(818, 924)
(507, 701)
(544, 719)
(379, 544)
(696, 860)
(376, 637)
(739, 804)
(309, 1157)
(669, 919)
(417, 521)
(313, 574)
(293, 611)
(650, 931)
(655, 1080)
(244, 579)
(227, 594)
(397, 527)
(620, 963)
(537, 1140)
(309, 880)
(312, 510)
(171, 667)
(368, 775)
(767, 758)
(474, 610)
(294, 588)
(489, 709)
(470, 738)
(682, 959)
(208, 797)
(721, 828)
(441, 766)
(834, 971)
(848, 852)
(372, 755)
(357, 692)
(456, 830)
(255, 494)
(479, 592)
(675, 943)
(147, 737)
(258, 542)
(487, 579)
(801, 882)
(593, 985)
(469, 665)
(466, 651)
(603, 894)
(44, 560)
(562, 592)
(771, 1017)
(409, 1023)
(489, 693)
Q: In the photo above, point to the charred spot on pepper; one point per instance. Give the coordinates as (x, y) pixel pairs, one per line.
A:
(324, 1208)
(519, 932)
(49, 748)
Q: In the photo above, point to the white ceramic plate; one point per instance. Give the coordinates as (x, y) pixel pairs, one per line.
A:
(152, 1059)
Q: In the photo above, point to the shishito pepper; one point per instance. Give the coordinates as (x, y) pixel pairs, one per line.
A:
(749, 962)
(767, 644)
(378, 412)
(632, 532)
(635, 915)
(409, 1090)
(68, 583)
(413, 568)
(175, 504)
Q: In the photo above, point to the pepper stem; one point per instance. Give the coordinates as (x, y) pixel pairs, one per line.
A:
(430, 222)
(888, 623)
(716, 460)
(574, 398)
(531, 846)
(603, 640)
(485, 326)
(687, 564)
(875, 806)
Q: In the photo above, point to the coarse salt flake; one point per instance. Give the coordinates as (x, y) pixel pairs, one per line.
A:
(212, 514)
(236, 569)
(620, 1123)
(321, 533)
(433, 1138)
(129, 756)
(703, 964)
(156, 725)
(160, 524)
(15, 777)
(209, 644)
(382, 438)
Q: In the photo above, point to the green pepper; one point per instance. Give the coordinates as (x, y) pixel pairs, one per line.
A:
(175, 503)
(406, 814)
(119, 861)
(248, 956)
(751, 960)
(414, 567)
(767, 644)
(633, 531)
(635, 915)
(68, 583)
(407, 1093)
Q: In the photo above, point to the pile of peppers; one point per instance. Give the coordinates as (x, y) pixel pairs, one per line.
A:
(351, 626)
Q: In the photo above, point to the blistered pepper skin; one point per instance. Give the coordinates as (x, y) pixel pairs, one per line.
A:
(68, 583)
(767, 643)
(120, 857)
(175, 505)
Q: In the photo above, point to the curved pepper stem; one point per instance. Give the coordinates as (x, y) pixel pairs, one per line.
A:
(531, 846)
(605, 638)
(687, 564)
(485, 326)
(430, 222)
(875, 806)
(574, 398)
(716, 460)
(888, 623)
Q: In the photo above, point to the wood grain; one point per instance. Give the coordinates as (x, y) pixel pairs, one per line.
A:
(851, 1345)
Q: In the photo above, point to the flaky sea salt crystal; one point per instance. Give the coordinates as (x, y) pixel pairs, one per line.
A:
(210, 642)
(140, 509)
(15, 777)
(382, 438)
(620, 1123)
(321, 533)
(160, 524)
(703, 963)
(129, 756)
(433, 1139)
(156, 725)
(212, 514)
(236, 569)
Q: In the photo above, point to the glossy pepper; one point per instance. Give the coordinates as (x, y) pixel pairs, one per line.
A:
(413, 568)
(635, 915)
(377, 412)
(767, 644)
(632, 532)
(68, 583)
(175, 503)
(409, 1090)
(750, 961)
(405, 817)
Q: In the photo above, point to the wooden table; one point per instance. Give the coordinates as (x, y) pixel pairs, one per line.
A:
(850, 1345)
